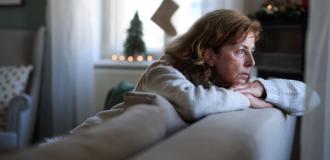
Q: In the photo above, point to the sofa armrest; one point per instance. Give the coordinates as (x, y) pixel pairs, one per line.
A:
(249, 134)
(16, 109)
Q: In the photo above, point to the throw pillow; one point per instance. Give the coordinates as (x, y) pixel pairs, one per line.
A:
(115, 95)
(13, 80)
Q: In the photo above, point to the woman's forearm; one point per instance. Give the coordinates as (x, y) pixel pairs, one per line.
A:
(192, 102)
(288, 95)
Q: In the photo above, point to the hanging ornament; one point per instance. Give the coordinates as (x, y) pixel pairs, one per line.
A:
(163, 14)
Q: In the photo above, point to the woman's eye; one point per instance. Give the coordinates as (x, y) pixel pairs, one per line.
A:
(241, 51)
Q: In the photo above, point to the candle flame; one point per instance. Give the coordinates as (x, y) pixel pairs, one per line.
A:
(130, 58)
(139, 58)
(114, 57)
(269, 7)
(122, 58)
(149, 58)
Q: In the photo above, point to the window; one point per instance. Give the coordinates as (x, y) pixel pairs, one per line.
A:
(117, 14)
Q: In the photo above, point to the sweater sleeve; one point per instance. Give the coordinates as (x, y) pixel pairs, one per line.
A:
(288, 95)
(192, 102)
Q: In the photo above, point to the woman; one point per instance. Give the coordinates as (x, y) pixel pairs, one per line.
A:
(207, 70)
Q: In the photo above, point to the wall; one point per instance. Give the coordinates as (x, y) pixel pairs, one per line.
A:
(244, 6)
(29, 16)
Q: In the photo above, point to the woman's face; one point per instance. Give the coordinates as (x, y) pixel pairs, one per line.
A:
(233, 63)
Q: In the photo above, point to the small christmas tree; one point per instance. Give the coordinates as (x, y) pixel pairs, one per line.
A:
(134, 44)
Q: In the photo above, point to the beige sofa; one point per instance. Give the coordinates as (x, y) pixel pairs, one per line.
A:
(150, 128)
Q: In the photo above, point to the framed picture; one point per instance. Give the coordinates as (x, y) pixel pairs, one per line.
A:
(11, 3)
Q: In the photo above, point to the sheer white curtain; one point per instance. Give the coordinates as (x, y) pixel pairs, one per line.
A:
(73, 28)
(315, 138)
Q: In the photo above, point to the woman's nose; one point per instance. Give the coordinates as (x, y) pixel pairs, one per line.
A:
(249, 60)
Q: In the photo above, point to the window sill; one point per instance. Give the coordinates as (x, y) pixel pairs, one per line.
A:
(109, 64)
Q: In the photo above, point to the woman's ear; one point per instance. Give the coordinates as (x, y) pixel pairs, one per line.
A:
(209, 57)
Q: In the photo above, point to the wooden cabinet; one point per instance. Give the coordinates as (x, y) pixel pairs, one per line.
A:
(280, 51)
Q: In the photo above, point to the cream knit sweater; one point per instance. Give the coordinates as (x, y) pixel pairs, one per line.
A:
(194, 102)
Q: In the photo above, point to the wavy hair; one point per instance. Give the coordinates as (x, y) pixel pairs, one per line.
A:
(211, 31)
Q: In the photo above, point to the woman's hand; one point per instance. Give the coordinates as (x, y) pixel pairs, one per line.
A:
(255, 89)
(255, 92)
(257, 103)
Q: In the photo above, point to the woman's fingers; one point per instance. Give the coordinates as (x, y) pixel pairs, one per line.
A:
(261, 104)
(254, 88)
(249, 90)
(257, 103)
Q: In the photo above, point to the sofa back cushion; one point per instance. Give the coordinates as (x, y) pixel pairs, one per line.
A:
(173, 121)
(117, 138)
(251, 134)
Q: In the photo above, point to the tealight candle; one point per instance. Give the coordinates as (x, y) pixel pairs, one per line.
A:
(130, 58)
(149, 58)
(122, 58)
(114, 57)
(269, 7)
(139, 58)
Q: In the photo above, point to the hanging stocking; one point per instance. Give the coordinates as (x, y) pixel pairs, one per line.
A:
(162, 16)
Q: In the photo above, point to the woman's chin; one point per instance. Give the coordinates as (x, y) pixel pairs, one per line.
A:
(240, 82)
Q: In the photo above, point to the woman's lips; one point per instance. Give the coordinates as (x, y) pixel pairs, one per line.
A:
(245, 75)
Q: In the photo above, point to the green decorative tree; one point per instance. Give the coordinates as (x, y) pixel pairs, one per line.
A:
(134, 44)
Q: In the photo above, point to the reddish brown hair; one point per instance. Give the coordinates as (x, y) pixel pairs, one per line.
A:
(212, 30)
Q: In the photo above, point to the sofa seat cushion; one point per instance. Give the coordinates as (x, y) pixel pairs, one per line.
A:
(249, 134)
